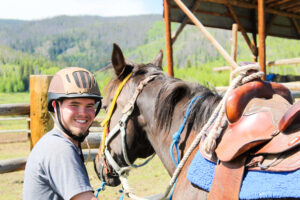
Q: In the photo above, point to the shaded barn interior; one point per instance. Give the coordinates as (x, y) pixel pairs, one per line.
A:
(280, 18)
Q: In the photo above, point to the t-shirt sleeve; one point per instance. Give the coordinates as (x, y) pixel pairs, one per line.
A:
(67, 173)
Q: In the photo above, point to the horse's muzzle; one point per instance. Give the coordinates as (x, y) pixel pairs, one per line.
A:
(105, 173)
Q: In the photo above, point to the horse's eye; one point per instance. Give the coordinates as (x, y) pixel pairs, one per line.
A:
(104, 107)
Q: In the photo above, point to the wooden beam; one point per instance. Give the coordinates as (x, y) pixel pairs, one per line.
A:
(195, 5)
(243, 31)
(288, 5)
(169, 49)
(291, 61)
(296, 25)
(296, 8)
(277, 3)
(199, 25)
(14, 109)
(261, 37)
(269, 1)
(225, 14)
(12, 165)
(254, 6)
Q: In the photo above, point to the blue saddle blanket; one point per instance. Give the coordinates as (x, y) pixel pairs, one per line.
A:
(256, 184)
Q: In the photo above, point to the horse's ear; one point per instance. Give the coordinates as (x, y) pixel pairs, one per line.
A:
(158, 59)
(118, 60)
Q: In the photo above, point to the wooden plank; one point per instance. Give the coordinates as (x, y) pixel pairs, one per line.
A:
(12, 165)
(92, 140)
(254, 6)
(12, 118)
(169, 49)
(18, 164)
(288, 5)
(14, 109)
(277, 3)
(15, 131)
(41, 121)
(291, 61)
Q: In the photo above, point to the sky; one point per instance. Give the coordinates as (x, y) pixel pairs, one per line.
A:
(41, 9)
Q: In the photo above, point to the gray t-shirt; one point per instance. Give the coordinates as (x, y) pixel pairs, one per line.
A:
(54, 169)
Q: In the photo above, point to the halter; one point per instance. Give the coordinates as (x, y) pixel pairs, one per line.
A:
(121, 127)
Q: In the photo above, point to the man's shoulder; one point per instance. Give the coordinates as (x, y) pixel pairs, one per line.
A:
(51, 142)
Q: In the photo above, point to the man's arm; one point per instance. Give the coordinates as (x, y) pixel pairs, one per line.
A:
(84, 196)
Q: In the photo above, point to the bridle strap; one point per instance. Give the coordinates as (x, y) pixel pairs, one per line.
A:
(121, 127)
(105, 122)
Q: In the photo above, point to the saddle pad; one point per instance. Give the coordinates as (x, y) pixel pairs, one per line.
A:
(256, 184)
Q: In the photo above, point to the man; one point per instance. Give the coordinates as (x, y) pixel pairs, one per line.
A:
(55, 167)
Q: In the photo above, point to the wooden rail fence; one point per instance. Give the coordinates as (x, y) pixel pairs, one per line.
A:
(40, 122)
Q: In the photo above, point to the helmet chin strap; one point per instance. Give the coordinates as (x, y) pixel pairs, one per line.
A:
(68, 132)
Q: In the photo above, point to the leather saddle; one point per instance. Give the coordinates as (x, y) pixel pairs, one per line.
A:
(263, 133)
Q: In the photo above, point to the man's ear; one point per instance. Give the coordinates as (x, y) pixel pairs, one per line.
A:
(53, 103)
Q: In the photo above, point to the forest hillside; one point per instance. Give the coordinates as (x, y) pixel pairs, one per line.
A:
(44, 46)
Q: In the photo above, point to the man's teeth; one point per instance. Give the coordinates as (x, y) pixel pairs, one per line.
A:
(81, 121)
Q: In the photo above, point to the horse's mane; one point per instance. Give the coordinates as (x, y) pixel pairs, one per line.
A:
(173, 91)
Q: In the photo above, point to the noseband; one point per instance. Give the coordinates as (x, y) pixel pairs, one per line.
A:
(121, 127)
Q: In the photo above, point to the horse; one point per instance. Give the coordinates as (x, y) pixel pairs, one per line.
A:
(157, 109)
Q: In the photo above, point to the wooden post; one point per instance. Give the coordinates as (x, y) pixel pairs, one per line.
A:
(233, 44)
(261, 37)
(40, 122)
(234, 41)
(169, 51)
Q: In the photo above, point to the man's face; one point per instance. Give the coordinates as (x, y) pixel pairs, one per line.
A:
(77, 114)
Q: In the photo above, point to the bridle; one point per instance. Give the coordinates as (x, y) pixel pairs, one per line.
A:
(120, 127)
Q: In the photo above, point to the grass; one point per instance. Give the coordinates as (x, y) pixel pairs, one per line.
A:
(18, 97)
(152, 182)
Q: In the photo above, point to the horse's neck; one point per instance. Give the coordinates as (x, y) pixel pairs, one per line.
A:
(161, 139)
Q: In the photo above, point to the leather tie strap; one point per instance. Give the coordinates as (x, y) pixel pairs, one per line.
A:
(227, 180)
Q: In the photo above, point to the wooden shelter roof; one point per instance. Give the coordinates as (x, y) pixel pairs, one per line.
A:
(282, 17)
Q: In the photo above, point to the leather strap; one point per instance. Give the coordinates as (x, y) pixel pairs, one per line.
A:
(227, 180)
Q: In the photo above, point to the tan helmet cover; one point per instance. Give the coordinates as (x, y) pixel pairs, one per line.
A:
(73, 82)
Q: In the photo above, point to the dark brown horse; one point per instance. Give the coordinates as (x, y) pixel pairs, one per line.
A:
(158, 112)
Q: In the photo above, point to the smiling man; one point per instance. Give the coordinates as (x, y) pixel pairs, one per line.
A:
(55, 167)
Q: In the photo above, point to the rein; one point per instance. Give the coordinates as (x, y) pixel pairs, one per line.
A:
(121, 127)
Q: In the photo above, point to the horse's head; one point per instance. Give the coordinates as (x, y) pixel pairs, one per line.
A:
(127, 139)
